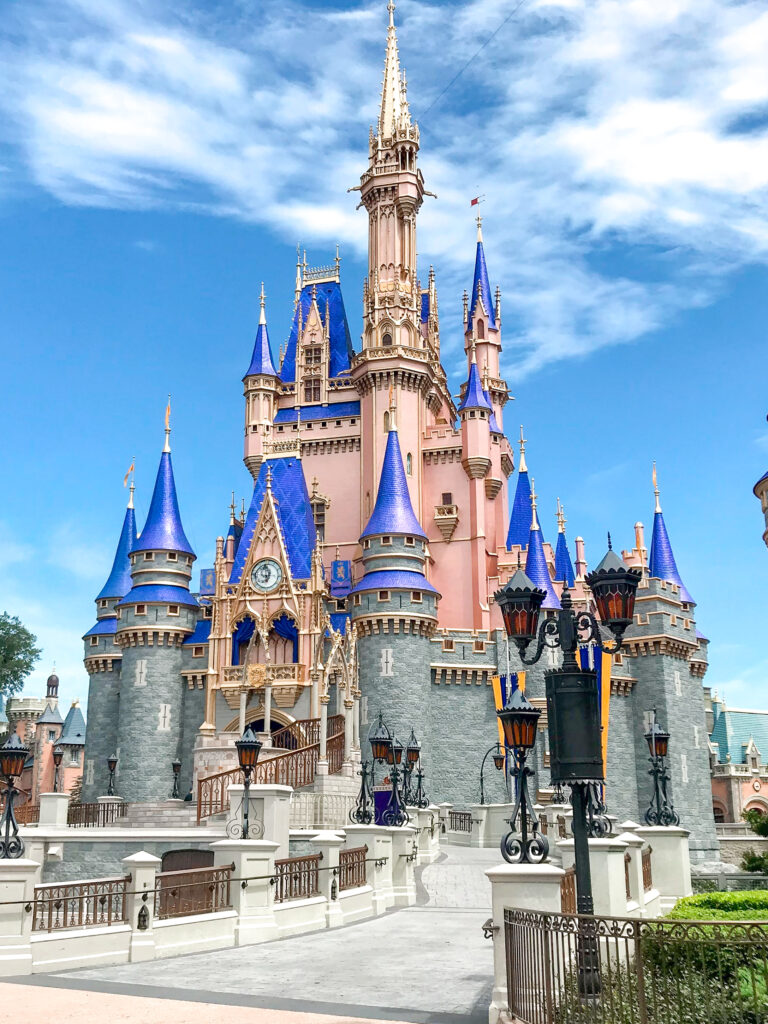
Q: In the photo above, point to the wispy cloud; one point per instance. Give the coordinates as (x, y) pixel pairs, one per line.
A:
(595, 129)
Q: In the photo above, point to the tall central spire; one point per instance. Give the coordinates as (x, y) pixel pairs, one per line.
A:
(394, 104)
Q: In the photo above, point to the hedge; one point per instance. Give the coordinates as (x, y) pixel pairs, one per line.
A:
(746, 905)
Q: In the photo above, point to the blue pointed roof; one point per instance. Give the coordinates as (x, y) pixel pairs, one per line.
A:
(393, 511)
(536, 568)
(51, 716)
(520, 517)
(73, 733)
(734, 729)
(294, 513)
(481, 287)
(119, 580)
(329, 299)
(662, 563)
(163, 530)
(474, 396)
(261, 360)
(563, 563)
(493, 425)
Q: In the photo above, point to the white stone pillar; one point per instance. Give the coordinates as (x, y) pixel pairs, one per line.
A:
(254, 865)
(478, 835)
(443, 810)
(348, 729)
(634, 873)
(143, 868)
(18, 879)
(322, 764)
(670, 861)
(516, 887)
(379, 842)
(329, 844)
(606, 860)
(404, 853)
(269, 814)
(53, 809)
(268, 714)
(356, 722)
(243, 703)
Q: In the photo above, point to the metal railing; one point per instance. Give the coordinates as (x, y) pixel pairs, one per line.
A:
(25, 814)
(459, 821)
(628, 887)
(647, 971)
(295, 768)
(352, 868)
(197, 891)
(562, 831)
(321, 810)
(568, 891)
(95, 815)
(90, 904)
(647, 869)
(297, 878)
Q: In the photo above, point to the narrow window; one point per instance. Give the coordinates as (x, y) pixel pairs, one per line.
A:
(172, 556)
(447, 498)
(480, 329)
(386, 422)
(383, 595)
(409, 464)
(173, 609)
(386, 341)
(94, 641)
(416, 597)
(149, 556)
(197, 652)
(141, 609)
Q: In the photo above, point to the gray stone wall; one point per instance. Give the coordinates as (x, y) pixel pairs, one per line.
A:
(101, 720)
(193, 713)
(88, 859)
(621, 792)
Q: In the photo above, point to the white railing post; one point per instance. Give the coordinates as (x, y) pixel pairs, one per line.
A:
(329, 844)
(18, 879)
(404, 853)
(269, 813)
(251, 889)
(606, 860)
(670, 861)
(53, 809)
(140, 903)
(379, 842)
(322, 764)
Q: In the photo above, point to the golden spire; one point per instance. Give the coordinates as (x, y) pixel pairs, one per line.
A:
(297, 295)
(232, 511)
(392, 408)
(523, 468)
(167, 446)
(394, 105)
(534, 517)
(479, 228)
(561, 520)
(262, 314)
(242, 510)
(656, 490)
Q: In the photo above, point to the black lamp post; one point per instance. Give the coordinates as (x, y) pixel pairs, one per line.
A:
(111, 766)
(519, 720)
(498, 764)
(176, 766)
(58, 755)
(386, 749)
(661, 811)
(395, 812)
(412, 754)
(248, 749)
(13, 756)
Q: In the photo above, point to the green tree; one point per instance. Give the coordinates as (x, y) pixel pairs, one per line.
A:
(18, 654)
(757, 821)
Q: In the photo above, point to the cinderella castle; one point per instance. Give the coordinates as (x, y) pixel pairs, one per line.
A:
(361, 577)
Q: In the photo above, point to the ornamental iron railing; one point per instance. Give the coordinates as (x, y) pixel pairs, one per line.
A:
(295, 768)
(638, 971)
(297, 878)
(197, 891)
(647, 869)
(352, 868)
(96, 815)
(90, 904)
(459, 821)
(25, 814)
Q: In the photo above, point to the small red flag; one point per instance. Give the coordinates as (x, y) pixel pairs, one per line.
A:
(476, 200)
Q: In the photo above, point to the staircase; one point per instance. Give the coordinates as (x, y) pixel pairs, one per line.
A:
(297, 767)
(162, 814)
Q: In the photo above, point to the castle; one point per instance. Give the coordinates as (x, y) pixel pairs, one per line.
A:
(362, 575)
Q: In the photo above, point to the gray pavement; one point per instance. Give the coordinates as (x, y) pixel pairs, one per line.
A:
(427, 964)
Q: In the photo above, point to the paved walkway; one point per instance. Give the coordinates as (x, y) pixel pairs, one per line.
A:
(428, 964)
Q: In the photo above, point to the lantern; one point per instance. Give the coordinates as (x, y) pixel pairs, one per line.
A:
(248, 749)
(519, 720)
(380, 741)
(520, 602)
(413, 749)
(13, 756)
(613, 587)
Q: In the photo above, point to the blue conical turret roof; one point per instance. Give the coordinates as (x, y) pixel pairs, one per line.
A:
(393, 512)
(261, 360)
(163, 530)
(520, 517)
(536, 566)
(481, 287)
(119, 581)
(474, 396)
(662, 564)
(563, 564)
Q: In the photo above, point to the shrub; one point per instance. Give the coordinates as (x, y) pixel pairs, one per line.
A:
(757, 862)
(757, 821)
(750, 905)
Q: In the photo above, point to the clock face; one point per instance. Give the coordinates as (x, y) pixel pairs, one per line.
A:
(266, 575)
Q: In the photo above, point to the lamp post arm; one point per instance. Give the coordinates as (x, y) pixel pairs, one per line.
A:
(548, 635)
(586, 623)
(496, 746)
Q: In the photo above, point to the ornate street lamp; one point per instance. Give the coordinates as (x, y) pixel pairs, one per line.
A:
(412, 754)
(176, 766)
(248, 749)
(363, 811)
(111, 766)
(519, 720)
(13, 756)
(395, 812)
(58, 755)
(661, 811)
(497, 753)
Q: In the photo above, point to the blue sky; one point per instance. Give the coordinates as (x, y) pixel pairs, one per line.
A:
(156, 164)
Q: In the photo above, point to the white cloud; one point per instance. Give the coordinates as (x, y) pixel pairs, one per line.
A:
(585, 125)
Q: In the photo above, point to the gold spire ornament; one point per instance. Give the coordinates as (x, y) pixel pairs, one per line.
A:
(534, 496)
(656, 489)
(561, 520)
(523, 442)
(262, 314)
(167, 446)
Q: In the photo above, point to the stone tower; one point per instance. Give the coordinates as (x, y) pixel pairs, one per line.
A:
(103, 659)
(260, 391)
(394, 607)
(155, 617)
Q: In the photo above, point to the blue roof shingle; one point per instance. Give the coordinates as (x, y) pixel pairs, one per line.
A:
(310, 413)
(157, 593)
(119, 580)
(393, 511)
(163, 530)
(328, 298)
(662, 563)
(733, 731)
(394, 579)
(520, 516)
(536, 569)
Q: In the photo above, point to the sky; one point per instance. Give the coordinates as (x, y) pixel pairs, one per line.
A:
(159, 161)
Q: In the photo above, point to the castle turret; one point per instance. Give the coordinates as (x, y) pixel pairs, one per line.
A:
(481, 324)
(536, 568)
(662, 563)
(103, 660)
(260, 391)
(52, 689)
(155, 617)
(394, 606)
(563, 564)
(520, 517)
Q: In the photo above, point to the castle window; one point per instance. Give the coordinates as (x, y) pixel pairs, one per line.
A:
(386, 422)
(409, 542)
(280, 430)
(409, 463)
(357, 600)
(341, 606)
(353, 421)
(319, 505)
(416, 597)
(149, 556)
(172, 556)
(449, 643)
(383, 595)
(480, 329)
(141, 609)
(366, 545)
(94, 641)
(338, 423)
(479, 647)
(102, 604)
(51, 735)
(386, 341)
(312, 391)
(471, 414)
(208, 612)
(313, 355)
(386, 541)
(447, 498)
(173, 609)
(307, 426)
(74, 756)
(323, 423)
(197, 652)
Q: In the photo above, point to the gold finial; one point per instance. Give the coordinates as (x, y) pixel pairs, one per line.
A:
(167, 446)
(534, 517)
(242, 510)
(523, 467)
(130, 498)
(262, 314)
(232, 511)
(392, 407)
(472, 347)
(656, 490)
(479, 221)
(561, 520)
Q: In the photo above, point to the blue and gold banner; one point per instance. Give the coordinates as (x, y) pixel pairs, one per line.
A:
(594, 660)
(207, 582)
(341, 578)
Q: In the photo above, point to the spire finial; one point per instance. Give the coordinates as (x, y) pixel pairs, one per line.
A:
(523, 443)
(269, 477)
(472, 347)
(232, 511)
(167, 446)
(338, 262)
(610, 545)
(132, 488)
(656, 489)
(242, 510)
(262, 314)
(391, 9)
(479, 221)
(130, 475)
(534, 496)
(392, 408)
(561, 520)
